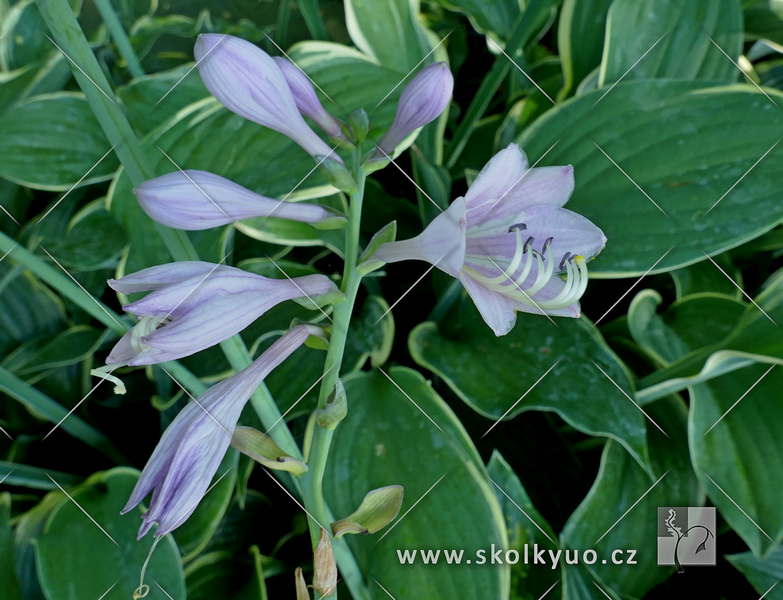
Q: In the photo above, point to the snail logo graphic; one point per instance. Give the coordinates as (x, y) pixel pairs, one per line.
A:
(686, 536)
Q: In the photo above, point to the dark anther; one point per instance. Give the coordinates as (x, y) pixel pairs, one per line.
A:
(547, 243)
(566, 257)
(517, 227)
(527, 244)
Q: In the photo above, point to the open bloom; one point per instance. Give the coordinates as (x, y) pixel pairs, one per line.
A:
(508, 239)
(195, 305)
(194, 200)
(188, 455)
(422, 101)
(306, 100)
(248, 82)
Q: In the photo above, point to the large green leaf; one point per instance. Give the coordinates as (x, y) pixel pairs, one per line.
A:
(489, 18)
(53, 141)
(764, 575)
(764, 19)
(684, 30)
(580, 38)
(78, 560)
(686, 146)
(733, 434)
(498, 376)
(601, 522)
(385, 440)
(11, 588)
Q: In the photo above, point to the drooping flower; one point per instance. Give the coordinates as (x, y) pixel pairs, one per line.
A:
(195, 305)
(421, 102)
(194, 200)
(188, 455)
(306, 99)
(248, 82)
(508, 239)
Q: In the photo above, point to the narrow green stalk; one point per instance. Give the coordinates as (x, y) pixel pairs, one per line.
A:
(112, 22)
(312, 16)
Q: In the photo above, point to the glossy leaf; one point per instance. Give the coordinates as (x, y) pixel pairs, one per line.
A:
(656, 132)
(11, 588)
(580, 38)
(764, 575)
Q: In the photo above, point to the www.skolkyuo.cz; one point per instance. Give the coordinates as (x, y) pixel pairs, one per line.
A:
(529, 555)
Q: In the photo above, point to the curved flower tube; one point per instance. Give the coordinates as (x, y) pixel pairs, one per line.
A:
(194, 200)
(247, 81)
(508, 239)
(188, 455)
(195, 305)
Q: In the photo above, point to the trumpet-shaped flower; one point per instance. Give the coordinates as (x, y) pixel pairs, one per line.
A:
(188, 455)
(508, 239)
(422, 101)
(247, 81)
(306, 100)
(195, 305)
(193, 200)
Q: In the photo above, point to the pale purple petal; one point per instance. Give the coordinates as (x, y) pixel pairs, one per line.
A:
(421, 102)
(496, 309)
(194, 200)
(159, 276)
(306, 99)
(496, 179)
(442, 243)
(123, 352)
(550, 186)
(247, 81)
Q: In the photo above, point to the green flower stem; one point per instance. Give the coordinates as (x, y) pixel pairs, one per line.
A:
(112, 22)
(311, 13)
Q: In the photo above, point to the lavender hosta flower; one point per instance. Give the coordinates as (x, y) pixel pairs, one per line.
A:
(306, 100)
(421, 102)
(248, 82)
(195, 305)
(188, 455)
(508, 239)
(194, 200)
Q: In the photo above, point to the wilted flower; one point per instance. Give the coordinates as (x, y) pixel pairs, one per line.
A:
(196, 305)
(247, 81)
(507, 239)
(188, 455)
(194, 200)
(306, 100)
(422, 101)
